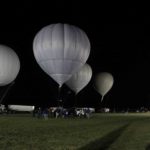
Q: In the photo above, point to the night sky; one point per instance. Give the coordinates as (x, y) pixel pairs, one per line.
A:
(119, 38)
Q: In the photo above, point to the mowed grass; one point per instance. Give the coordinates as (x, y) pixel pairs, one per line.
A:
(100, 132)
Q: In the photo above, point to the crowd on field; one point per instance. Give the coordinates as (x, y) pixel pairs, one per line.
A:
(60, 112)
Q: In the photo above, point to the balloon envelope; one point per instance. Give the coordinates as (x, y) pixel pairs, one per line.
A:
(80, 79)
(60, 50)
(103, 82)
(9, 65)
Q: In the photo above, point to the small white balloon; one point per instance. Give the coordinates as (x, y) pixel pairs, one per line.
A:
(9, 65)
(103, 83)
(80, 79)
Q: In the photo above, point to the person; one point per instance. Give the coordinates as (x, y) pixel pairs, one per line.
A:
(39, 113)
(57, 113)
(45, 113)
(34, 113)
(87, 113)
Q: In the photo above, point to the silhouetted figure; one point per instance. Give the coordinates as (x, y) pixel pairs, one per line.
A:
(45, 113)
(39, 113)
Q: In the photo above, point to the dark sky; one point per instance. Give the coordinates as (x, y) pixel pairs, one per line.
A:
(119, 39)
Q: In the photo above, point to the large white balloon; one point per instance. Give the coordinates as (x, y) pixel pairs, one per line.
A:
(9, 65)
(103, 83)
(60, 50)
(80, 79)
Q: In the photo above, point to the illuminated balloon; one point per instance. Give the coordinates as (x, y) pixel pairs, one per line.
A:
(9, 65)
(103, 83)
(80, 79)
(61, 50)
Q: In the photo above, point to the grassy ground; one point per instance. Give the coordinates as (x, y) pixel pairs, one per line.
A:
(100, 132)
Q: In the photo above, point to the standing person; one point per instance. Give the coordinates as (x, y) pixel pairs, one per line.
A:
(87, 113)
(57, 113)
(34, 113)
(39, 113)
(45, 113)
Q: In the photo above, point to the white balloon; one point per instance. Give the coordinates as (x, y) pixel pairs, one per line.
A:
(9, 65)
(61, 50)
(103, 83)
(80, 79)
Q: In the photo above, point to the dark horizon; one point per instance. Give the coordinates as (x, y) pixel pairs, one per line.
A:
(119, 40)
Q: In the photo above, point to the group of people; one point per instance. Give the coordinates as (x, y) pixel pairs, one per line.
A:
(41, 113)
(60, 112)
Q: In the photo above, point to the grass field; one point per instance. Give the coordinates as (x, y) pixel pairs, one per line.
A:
(100, 132)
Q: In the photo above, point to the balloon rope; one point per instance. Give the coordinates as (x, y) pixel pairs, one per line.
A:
(102, 98)
(6, 91)
(59, 95)
(75, 102)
